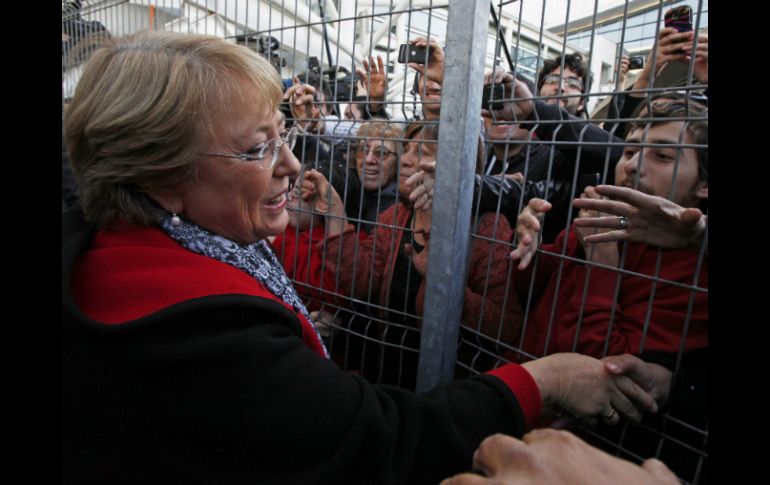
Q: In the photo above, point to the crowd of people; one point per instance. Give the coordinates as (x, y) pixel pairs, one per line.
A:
(238, 240)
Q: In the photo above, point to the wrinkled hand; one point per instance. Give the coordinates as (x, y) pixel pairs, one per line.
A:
(604, 253)
(434, 70)
(652, 220)
(520, 104)
(422, 183)
(375, 80)
(303, 107)
(580, 385)
(548, 456)
(316, 190)
(419, 260)
(653, 378)
(528, 231)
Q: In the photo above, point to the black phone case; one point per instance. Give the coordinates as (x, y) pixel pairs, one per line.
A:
(495, 93)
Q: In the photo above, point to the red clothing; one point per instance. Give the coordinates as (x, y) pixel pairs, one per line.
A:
(669, 305)
(130, 272)
(306, 267)
(365, 270)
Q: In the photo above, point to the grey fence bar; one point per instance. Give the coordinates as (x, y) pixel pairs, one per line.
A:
(458, 141)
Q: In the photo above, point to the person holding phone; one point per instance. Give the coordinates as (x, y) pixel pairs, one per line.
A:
(547, 170)
(430, 74)
(672, 46)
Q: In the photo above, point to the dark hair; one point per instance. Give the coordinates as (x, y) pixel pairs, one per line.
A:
(572, 61)
(678, 105)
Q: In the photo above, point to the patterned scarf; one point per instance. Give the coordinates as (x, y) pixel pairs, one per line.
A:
(258, 260)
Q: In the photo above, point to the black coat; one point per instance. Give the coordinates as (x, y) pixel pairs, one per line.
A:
(222, 389)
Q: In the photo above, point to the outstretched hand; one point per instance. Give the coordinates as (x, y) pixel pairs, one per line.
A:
(422, 183)
(581, 386)
(301, 100)
(528, 231)
(650, 219)
(375, 81)
(554, 456)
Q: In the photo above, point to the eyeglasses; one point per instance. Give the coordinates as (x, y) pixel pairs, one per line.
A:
(259, 152)
(571, 82)
(378, 152)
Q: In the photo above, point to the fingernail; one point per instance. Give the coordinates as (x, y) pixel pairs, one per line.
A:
(613, 367)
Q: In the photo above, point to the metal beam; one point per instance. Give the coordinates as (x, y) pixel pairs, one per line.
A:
(450, 229)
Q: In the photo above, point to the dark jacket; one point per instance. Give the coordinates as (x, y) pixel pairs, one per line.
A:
(567, 154)
(192, 372)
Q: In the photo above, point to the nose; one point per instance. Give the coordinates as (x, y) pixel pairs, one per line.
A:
(408, 159)
(288, 165)
(369, 156)
(632, 166)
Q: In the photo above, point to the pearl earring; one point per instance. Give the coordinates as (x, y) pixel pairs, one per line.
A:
(175, 220)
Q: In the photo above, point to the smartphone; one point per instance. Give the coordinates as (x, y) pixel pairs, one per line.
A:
(679, 18)
(492, 98)
(412, 53)
(635, 62)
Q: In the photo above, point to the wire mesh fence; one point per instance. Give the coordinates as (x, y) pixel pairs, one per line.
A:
(391, 96)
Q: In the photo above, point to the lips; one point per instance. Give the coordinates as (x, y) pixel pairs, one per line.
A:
(277, 202)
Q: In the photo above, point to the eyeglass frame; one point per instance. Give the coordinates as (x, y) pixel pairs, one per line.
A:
(290, 138)
(568, 81)
(362, 146)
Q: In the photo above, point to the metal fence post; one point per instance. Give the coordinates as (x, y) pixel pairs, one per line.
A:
(458, 141)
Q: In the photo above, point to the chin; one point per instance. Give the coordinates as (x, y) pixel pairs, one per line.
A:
(278, 226)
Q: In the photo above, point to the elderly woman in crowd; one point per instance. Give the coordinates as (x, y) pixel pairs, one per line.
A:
(377, 156)
(186, 353)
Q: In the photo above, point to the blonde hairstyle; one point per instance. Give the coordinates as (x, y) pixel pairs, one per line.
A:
(382, 130)
(142, 113)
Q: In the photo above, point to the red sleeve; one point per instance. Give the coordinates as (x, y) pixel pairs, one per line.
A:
(523, 386)
(305, 263)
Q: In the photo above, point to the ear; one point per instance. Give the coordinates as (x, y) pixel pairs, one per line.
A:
(170, 201)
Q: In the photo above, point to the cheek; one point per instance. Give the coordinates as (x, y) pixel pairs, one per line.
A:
(620, 170)
(389, 169)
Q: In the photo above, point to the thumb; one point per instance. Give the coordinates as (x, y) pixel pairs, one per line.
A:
(540, 205)
(691, 216)
(660, 471)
